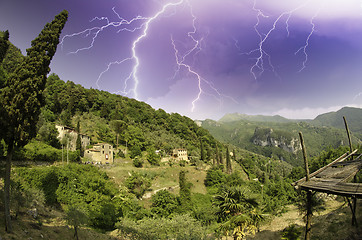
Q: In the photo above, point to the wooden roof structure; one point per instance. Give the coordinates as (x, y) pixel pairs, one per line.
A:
(333, 178)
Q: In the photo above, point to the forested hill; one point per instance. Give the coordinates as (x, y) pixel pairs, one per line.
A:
(279, 140)
(231, 117)
(103, 115)
(335, 119)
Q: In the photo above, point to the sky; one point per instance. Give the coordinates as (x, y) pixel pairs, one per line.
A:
(206, 58)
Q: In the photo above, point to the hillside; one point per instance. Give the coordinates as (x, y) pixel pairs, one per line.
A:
(231, 117)
(248, 134)
(104, 116)
(335, 119)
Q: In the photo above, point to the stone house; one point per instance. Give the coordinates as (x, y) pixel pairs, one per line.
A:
(180, 154)
(69, 137)
(100, 153)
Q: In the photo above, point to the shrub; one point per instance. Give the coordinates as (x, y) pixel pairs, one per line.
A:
(138, 184)
(164, 203)
(214, 176)
(137, 162)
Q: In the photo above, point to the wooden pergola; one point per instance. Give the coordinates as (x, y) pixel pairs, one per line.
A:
(334, 178)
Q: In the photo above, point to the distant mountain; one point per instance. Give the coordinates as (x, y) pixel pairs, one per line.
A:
(279, 140)
(335, 119)
(231, 117)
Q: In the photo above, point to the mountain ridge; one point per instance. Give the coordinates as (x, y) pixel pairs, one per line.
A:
(330, 119)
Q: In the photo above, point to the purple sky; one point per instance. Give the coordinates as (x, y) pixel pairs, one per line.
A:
(205, 58)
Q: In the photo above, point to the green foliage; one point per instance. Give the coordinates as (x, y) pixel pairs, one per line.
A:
(39, 151)
(152, 157)
(240, 134)
(138, 162)
(164, 203)
(135, 124)
(326, 157)
(214, 177)
(180, 227)
(203, 210)
(185, 191)
(228, 162)
(135, 151)
(22, 97)
(4, 45)
(83, 186)
(48, 134)
(138, 184)
(237, 209)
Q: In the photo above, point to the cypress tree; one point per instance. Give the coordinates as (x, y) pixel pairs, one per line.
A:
(79, 141)
(228, 161)
(4, 45)
(185, 191)
(217, 155)
(202, 157)
(22, 97)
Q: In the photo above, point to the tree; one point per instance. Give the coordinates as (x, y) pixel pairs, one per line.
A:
(217, 155)
(202, 154)
(138, 184)
(22, 96)
(79, 141)
(164, 203)
(152, 157)
(76, 216)
(185, 191)
(4, 45)
(228, 162)
(237, 209)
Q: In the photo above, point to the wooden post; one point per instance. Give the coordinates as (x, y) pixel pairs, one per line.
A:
(309, 193)
(348, 135)
(354, 199)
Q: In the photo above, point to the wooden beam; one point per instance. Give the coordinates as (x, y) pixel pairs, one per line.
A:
(348, 135)
(308, 225)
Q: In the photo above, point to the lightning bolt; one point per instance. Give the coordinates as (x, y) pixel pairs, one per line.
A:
(142, 25)
(304, 48)
(181, 62)
(124, 25)
(257, 69)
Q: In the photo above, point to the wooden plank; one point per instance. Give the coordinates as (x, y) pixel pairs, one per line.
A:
(344, 189)
(339, 173)
(345, 163)
(340, 159)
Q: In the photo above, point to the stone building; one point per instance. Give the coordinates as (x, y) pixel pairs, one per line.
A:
(68, 136)
(100, 153)
(180, 154)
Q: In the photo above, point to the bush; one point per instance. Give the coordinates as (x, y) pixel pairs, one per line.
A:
(138, 184)
(182, 163)
(164, 203)
(214, 176)
(181, 227)
(153, 158)
(137, 162)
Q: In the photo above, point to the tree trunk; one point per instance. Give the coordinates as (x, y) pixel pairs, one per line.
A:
(75, 232)
(9, 156)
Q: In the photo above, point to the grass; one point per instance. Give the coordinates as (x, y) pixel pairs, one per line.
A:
(334, 223)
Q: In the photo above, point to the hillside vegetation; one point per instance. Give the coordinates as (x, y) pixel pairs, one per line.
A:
(243, 133)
